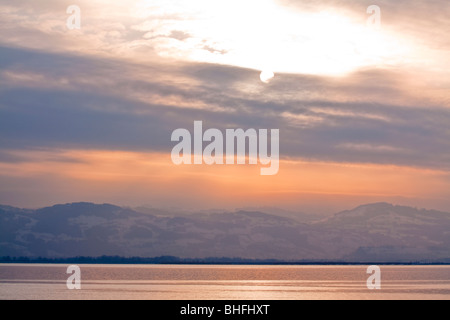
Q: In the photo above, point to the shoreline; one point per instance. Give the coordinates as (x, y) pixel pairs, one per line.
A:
(216, 263)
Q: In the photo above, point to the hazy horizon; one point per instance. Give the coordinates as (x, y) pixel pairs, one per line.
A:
(317, 210)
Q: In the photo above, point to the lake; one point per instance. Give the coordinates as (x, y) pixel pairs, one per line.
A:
(205, 282)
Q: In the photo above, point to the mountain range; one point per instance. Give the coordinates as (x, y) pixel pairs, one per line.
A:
(378, 232)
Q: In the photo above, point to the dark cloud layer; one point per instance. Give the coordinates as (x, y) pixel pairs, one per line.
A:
(64, 101)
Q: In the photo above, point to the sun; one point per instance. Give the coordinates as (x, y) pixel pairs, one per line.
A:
(266, 76)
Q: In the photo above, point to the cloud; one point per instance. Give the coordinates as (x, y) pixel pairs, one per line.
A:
(61, 100)
(320, 37)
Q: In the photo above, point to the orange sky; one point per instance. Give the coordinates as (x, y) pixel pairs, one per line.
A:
(150, 178)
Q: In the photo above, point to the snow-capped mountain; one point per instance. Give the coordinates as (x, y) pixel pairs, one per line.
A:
(376, 232)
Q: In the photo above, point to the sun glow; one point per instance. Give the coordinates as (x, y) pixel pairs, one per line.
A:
(261, 35)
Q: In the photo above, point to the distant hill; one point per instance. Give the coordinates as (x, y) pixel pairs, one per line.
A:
(374, 232)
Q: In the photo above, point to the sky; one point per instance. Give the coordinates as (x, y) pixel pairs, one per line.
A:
(363, 109)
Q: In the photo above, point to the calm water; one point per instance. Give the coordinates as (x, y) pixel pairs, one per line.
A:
(166, 282)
